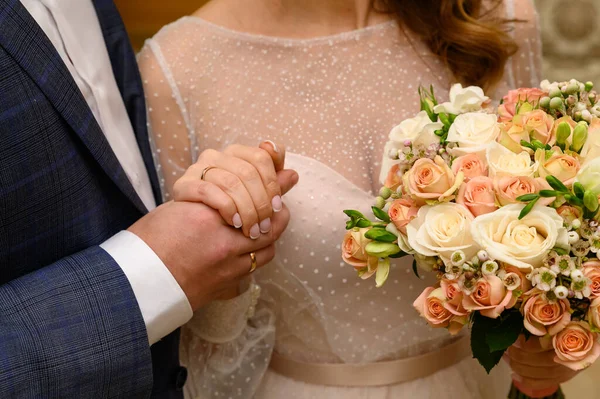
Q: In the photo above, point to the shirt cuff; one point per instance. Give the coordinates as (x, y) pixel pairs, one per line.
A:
(148, 276)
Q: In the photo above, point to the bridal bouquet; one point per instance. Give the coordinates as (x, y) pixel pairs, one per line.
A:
(502, 205)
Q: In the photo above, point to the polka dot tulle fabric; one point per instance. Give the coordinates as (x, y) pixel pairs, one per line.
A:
(331, 101)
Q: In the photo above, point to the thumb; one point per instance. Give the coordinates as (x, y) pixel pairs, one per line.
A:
(287, 179)
(276, 151)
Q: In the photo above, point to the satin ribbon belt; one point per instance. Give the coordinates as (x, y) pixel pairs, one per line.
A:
(372, 374)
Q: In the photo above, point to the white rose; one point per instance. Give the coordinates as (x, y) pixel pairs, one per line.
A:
(418, 130)
(440, 230)
(473, 132)
(503, 162)
(589, 176)
(467, 99)
(522, 243)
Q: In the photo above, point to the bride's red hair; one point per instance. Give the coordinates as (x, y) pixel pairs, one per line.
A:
(472, 42)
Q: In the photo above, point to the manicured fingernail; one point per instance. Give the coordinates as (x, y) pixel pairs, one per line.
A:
(273, 145)
(237, 221)
(277, 203)
(265, 226)
(255, 231)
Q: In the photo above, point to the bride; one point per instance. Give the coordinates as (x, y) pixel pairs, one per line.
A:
(329, 79)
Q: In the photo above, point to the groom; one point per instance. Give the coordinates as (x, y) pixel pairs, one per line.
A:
(87, 309)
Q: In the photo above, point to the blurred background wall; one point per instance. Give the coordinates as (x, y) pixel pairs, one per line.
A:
(571, 43)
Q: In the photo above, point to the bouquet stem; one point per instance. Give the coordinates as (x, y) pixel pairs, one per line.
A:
(515, 393)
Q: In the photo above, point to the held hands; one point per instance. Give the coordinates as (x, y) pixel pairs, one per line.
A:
(193, 235)
(534, 371)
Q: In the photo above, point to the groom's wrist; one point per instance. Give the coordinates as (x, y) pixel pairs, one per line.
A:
(163, 304)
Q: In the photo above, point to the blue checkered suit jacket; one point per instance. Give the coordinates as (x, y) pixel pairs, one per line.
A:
(70, 326)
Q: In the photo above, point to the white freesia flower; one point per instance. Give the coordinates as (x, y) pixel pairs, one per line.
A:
(462, 99)
(441, 230)
(546, 86)
(503, 162)
(473, 132)
(589, 176)
(418, 130)
(522, 243)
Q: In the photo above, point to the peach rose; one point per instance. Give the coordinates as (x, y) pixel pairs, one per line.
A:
(471, 165)
(593, 314)
(477, 195)
(542, 316)
(509, 188)
(591, 269)
(525, 283)
(431, 180)
(490, 297)
(576, 346)
(563, 167)
(454, 297)
(539, 125)
(569, 213)
(401, 212)
(353, 249)
(508, 107)
(394, 178)
(430, 305)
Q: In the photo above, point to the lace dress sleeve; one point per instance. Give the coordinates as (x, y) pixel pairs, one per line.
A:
(525, 68)
(227, 344)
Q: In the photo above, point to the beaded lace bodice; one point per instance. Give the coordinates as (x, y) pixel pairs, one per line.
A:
(332, 102)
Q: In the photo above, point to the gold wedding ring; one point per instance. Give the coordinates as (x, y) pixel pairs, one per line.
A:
(205, 171)
(253, 263)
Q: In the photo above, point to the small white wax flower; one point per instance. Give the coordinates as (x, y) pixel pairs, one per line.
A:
(576, 223)
(543, 278)
(573, 237)
(577, 275)
(483, 255)
(561, 292)
(458, 258)
(489, 267)
(511, 281)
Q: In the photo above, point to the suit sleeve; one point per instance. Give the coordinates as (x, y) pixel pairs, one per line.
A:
(73, 329)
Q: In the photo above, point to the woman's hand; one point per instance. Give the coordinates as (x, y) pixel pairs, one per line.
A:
(534, 371)
(242, 184)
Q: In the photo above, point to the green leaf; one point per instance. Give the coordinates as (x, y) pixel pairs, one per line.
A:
(354, 214)
(579, 190)
(415, 268)
(560, 251)
(506, 333)
(526, 144)
(380, 235)
(382, 273)
(573, 200)
(380, 214)
(479, 346)
(350, 224)
(556, 184)
(528, 197)
(549, 193)
(528, 208)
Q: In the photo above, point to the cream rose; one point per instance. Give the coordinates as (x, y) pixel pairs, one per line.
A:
(431, 180)
(473, 132)
(589, 176)
(576, 346)
(441, 230)
(542, 316)
(563, 167)
(523, 243)
(503, 162)
(490, 297)
(418, 130)
(472, 165)
(509, 188)
(477, 195)
(463, 99)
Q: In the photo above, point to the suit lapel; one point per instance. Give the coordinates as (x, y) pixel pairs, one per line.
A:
(128, 80)
(26, 42)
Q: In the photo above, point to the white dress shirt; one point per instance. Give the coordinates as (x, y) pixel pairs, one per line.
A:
(73, 28)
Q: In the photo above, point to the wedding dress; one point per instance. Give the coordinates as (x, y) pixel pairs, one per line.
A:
(332, 101)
